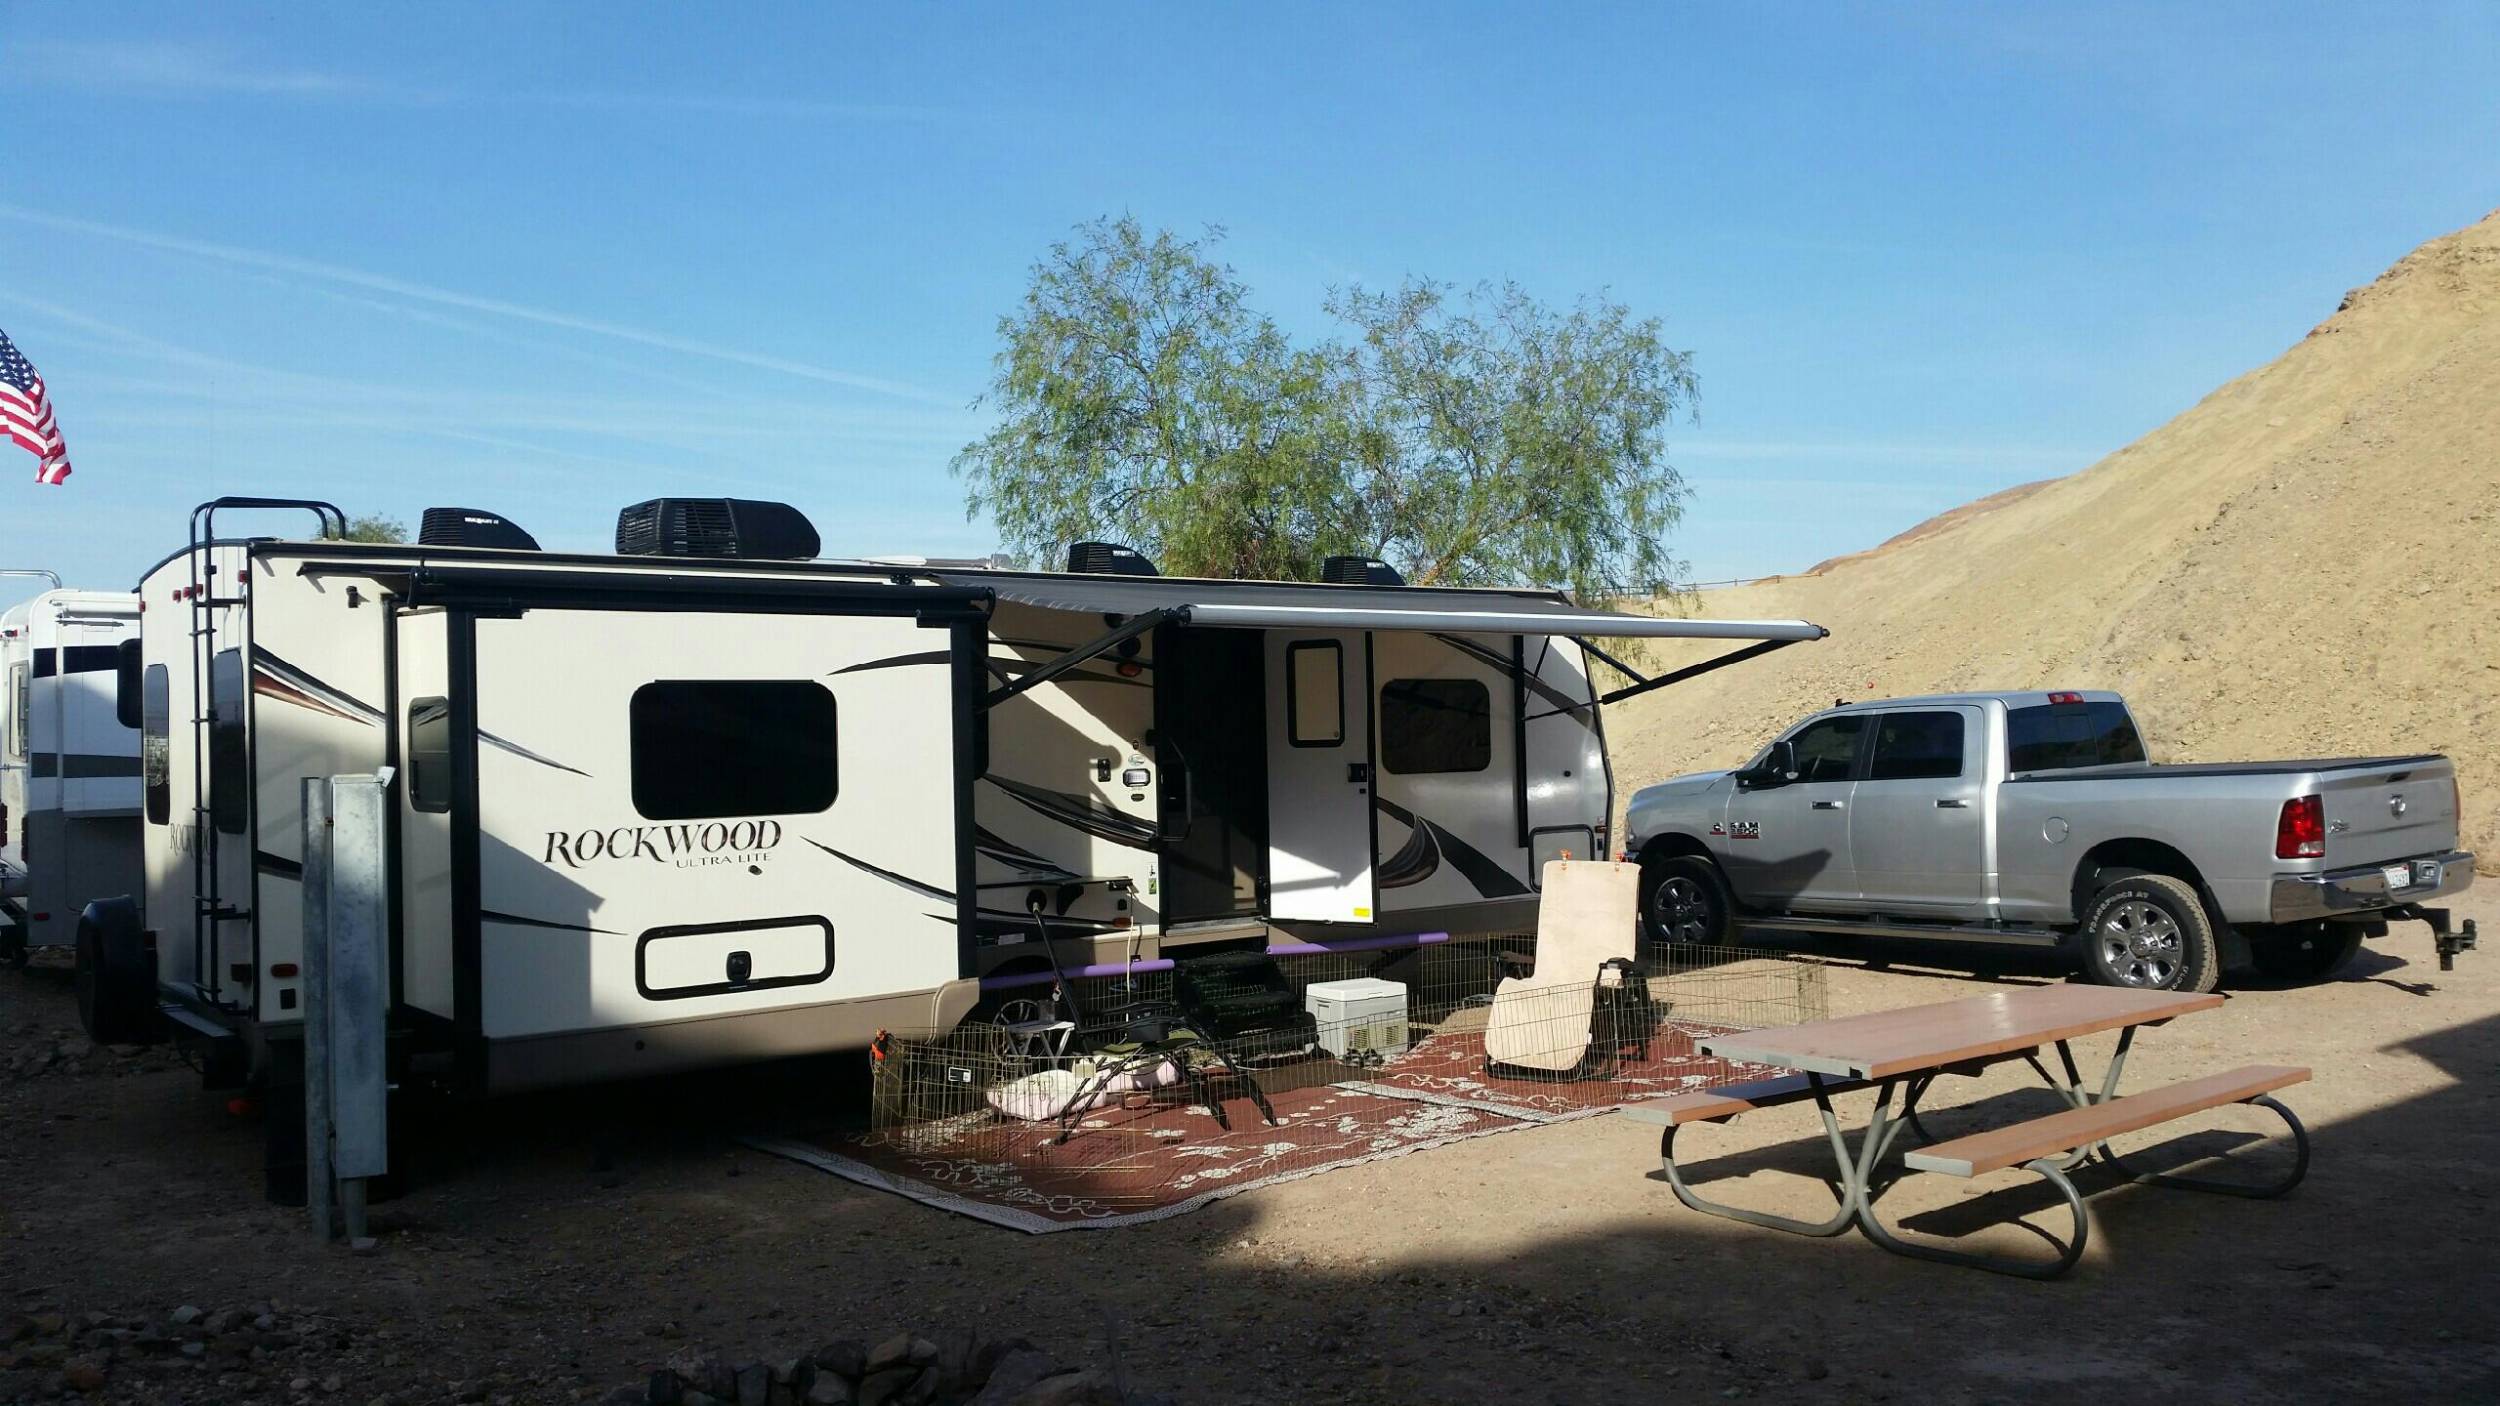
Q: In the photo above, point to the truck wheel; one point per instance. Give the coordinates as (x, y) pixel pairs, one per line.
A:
(2149, 931)
(1684, 902)
(116, 979)
(2307, 952)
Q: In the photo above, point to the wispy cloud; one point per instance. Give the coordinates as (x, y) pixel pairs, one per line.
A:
(169, 69)
(287, 265)
(164, 67)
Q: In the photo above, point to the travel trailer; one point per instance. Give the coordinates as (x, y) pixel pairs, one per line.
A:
(69, 767)
(706, 800)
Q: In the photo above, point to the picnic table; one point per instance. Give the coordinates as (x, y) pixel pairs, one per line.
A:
(1907, 1050)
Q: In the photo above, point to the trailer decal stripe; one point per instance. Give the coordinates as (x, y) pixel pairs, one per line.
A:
(273, 677)
(1085, 813)
(1489, 879)
(276, 678)
(516, 920)
(915, 885)
(1009, 853)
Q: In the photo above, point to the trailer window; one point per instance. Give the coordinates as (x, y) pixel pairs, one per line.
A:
(429, 755)
(2061, 736)
(1916, 747)
(1429, 725)
(704, 748)
(155, 743)
(1315, 686)
(126, 709)
(17, 718)
(229, 772)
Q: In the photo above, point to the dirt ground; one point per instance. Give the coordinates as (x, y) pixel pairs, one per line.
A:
(557, 1247)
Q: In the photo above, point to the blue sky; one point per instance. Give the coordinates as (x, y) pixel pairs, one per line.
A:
(550, 260)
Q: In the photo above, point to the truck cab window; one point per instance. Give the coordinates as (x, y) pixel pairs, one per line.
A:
(1828, 750)
(709, 748)
(1916, 747)
(2060, 736)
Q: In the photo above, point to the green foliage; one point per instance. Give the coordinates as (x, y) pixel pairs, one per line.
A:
(375, 527)
(1465, 438)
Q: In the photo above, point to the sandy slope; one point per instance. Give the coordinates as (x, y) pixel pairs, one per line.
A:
(2305, 563)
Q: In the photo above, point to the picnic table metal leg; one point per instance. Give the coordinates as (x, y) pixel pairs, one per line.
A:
(2069, 1252)
(1851, 1169)
(2266, 1191)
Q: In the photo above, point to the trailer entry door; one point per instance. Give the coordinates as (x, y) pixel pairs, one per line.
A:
(1319, 800)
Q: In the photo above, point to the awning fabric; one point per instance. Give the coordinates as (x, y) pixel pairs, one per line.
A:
(1292, 605)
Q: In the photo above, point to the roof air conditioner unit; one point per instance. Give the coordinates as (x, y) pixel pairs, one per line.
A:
(715, 527)
(472, 527)
(1359, 571)
(1108, 559)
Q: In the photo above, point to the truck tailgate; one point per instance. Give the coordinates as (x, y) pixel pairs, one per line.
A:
(2389, 810)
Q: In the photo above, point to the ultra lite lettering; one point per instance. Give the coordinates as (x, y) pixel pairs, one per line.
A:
(687, 846)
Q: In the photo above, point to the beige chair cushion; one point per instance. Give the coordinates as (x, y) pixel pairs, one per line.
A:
(1589, 916)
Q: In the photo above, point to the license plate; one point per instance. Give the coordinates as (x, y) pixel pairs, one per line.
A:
(2398, 876)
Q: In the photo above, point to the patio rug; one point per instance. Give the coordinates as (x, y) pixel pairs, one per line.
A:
(1153, 1159)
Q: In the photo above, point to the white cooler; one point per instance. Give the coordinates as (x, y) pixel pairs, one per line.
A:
(1365, 1016)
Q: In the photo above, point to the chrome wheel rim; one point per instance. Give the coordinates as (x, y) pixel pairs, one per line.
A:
(2140, 944)
(1682, 908)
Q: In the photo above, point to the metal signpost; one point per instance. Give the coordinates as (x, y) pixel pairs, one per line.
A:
(346, 1001)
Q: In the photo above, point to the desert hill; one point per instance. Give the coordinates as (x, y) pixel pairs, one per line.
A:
(2305, 563)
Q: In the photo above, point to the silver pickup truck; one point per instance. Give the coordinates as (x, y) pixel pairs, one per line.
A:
(2035, 819)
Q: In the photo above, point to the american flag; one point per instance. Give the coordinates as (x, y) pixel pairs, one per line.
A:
(26, 414)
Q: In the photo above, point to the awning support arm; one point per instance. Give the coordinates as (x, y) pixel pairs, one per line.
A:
(1137, 625)
(1754, 651)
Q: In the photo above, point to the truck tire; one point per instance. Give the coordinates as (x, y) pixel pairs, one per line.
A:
(1685, 902)
(2151, 932)
(116, 977)
(2303, 952)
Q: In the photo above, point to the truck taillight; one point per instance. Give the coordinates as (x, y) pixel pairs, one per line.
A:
(2301, 833)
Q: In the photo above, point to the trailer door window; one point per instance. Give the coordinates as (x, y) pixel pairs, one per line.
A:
(1315, 682)
(229, 774)
(1431, 725)
(1916, 747)
(707, 748)
(429, 755)
(155, 743)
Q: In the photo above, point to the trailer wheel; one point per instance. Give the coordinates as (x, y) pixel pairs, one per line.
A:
(2305, 952)
(1684, 902)
(116, 978)
(2149, 931)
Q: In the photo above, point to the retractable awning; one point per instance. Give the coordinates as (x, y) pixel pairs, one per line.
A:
(1290, 605)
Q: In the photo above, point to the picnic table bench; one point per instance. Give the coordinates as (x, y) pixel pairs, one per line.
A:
(1909, 1049)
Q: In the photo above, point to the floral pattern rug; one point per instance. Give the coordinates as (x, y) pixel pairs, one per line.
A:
(1158, 1156)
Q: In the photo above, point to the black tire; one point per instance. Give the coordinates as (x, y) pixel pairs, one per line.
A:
(1685, 902)
(2149, 932)
(2306, 952)
(116, 976)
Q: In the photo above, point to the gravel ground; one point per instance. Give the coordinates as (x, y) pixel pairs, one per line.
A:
(555, 1248)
